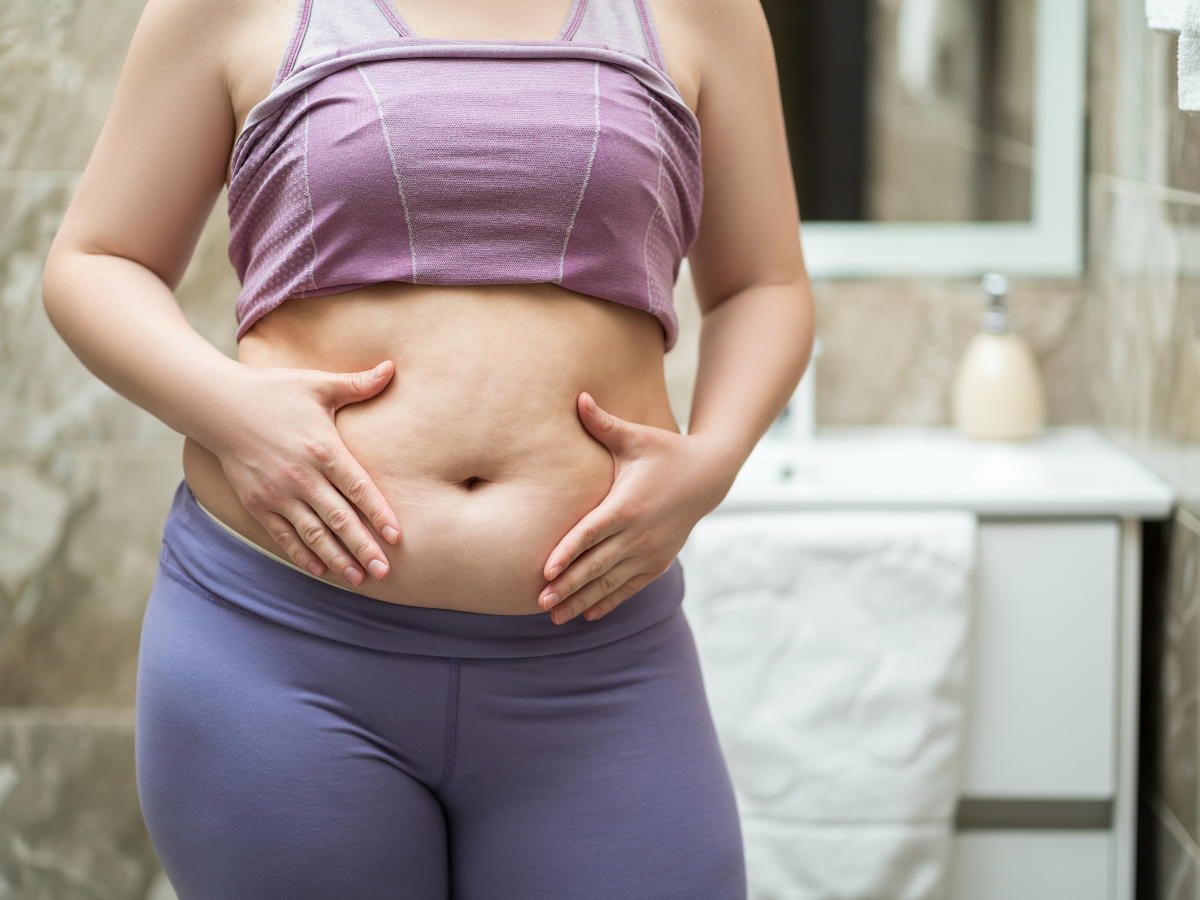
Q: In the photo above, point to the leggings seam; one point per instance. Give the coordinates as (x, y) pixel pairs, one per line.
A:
(451, 724)
(203, 593)
(191, 585)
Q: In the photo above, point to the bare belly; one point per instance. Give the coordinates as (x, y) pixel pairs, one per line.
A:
(476, 442)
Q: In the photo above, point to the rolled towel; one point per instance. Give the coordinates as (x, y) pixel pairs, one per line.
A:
(1189, 57)
(1165, 15)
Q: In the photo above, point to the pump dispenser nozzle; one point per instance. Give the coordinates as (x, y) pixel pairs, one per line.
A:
(995, 317)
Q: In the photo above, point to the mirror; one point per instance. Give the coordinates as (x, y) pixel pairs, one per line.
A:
(935, 137)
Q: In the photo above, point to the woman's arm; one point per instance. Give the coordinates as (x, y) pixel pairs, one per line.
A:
(127, 237)
(757, 329)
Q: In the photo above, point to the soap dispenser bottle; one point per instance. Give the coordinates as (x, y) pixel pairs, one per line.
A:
(998, 392)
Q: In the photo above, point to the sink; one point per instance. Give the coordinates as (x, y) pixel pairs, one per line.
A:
(1067, 471)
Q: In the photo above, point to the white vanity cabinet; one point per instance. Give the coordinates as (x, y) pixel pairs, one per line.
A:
(1038, 819)
(1048, 796)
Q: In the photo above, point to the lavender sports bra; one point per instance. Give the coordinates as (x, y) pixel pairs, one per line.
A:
(382, 156)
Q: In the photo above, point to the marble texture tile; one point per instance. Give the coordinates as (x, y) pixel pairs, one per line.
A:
(1144, 309)
(892, 347)
(81, 528)
(48, 394)
(59, 64)
(70, 825)
(1178, 763)
(1177, 872)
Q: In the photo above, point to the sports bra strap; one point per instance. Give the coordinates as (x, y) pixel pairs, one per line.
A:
(325, 28)
(623, 25)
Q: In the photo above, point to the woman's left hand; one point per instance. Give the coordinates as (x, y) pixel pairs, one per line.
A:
(663, 482)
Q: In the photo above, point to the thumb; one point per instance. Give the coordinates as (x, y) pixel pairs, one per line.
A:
(354, 387)
(615, 434)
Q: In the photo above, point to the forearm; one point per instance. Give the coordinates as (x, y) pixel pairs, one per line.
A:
(123, 323)
(754, 348)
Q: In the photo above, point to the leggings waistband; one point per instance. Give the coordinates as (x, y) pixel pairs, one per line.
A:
(202, 557)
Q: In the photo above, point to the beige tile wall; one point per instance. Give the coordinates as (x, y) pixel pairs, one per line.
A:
(1143, 328)
(891, 347)
(85, 481)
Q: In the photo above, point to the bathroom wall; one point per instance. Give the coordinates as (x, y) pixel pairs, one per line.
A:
(85, 482)
(1143, 335)
(85, 478)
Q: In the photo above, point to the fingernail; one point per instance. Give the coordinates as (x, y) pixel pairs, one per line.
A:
(553, 573)
(317, 569)
(378, 370)
(353, 575)
(550, 600)
(591, 403)
(378, 568)
(390, 534)
(561, 616)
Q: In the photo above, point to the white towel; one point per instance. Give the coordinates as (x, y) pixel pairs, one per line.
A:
(917, 46)
(834, 649)
(1165, 15)
(1189, 57)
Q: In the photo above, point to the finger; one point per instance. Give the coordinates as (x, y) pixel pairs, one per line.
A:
(344, 522)
(355, 387)
(611, 583)
(356, 486)
(289, 541)
(321, 540)
(612, 601)
(593, 565)
(615, 434)
(600, 524)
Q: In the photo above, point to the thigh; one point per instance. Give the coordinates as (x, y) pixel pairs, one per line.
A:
(596, 775)
(255, 784)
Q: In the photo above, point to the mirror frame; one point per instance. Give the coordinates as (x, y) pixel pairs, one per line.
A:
(1050, 244)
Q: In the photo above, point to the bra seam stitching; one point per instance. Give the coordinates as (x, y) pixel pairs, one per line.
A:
(312, 219)
(648, 32)
(294, 50)
(573, 21)
(651, 307)
(412, 247)
(562, 257)
(393, 16)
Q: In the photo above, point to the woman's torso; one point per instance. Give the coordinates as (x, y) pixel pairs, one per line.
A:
(476, 442)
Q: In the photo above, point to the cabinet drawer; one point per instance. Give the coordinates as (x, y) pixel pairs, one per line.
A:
(1030, 865)
(1042, 711)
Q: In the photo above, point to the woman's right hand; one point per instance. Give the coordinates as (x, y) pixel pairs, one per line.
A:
(283, 455)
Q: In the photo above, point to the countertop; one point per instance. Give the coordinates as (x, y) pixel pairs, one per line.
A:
(1065, 472)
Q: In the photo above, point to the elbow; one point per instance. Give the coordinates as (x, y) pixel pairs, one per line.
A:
(53, 286)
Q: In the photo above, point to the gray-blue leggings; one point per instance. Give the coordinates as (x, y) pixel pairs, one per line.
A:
(297, 741)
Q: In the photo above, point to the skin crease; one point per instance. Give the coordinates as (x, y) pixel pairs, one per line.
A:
(500, 449)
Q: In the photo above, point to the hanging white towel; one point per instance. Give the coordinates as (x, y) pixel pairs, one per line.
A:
(917, 46)
(1189, 57)
(834, 649)
(1165, 15)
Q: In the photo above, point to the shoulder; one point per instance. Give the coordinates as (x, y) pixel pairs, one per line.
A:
(716, 23)
(216, 31)
(706, 37)
(227, 47)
